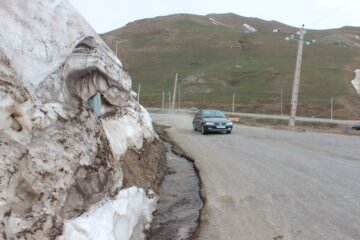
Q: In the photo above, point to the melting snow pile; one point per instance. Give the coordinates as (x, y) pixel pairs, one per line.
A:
(356, 82)
(121, 218)
(68, 117)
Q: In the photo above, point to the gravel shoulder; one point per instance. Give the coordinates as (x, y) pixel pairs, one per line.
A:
(263, 183)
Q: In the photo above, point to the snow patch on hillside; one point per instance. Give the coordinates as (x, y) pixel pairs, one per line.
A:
(355, 36)
(249, 28)
(213, 21)
(356, 82)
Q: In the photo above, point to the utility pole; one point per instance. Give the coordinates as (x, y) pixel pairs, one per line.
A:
(163, 101)
(296, 84)
(116, 45)
(174, 94)
(281, 101)
(117, 41)
(332, 107)
(138, 94)
(233, 103)
(179, 94)
(169, 100)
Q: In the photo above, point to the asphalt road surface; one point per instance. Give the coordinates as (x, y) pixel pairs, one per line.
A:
(267, 184)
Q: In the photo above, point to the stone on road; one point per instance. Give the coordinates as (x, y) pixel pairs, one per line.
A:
(263, 183)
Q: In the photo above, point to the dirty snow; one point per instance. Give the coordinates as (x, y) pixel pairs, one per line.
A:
(128, 131)
(111, 219)
(55, 161)
(30, 45)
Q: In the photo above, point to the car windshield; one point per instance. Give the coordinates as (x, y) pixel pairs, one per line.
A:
(213, 114)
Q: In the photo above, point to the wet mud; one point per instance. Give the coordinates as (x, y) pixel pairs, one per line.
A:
(180, 203)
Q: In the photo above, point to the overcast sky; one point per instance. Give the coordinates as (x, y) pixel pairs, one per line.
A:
(107, 15)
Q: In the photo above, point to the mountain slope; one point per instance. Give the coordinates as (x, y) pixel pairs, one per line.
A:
(221, 54)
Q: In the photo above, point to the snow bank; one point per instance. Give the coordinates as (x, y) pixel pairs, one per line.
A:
(111, 219)
(128, 131)
(45, 37)
(356, 82)
(58, 156)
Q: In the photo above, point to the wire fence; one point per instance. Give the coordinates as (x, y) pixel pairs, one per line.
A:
(262, 103)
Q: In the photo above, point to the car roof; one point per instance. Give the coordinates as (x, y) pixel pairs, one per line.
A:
(215, 110)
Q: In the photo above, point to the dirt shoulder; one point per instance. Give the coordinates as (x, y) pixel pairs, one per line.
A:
(300, 126)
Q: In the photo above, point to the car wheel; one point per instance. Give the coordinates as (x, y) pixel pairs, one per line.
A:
(228, 132)
(203, 131)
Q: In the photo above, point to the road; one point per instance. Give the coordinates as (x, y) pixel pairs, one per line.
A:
(266, 184)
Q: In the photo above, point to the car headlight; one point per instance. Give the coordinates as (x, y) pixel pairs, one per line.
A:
(209, 124)
(229, 124)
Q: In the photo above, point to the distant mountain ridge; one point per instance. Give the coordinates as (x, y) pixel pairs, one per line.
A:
(220, 54)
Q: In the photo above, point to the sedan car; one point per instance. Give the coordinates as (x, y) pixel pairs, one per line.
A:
(356, 126)
(212, 121)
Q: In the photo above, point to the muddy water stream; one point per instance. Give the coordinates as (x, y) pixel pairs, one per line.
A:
(178, 213)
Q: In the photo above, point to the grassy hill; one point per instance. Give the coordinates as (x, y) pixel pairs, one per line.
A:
(217, 55)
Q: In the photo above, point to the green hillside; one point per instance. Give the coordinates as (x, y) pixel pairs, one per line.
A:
(217, 56)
